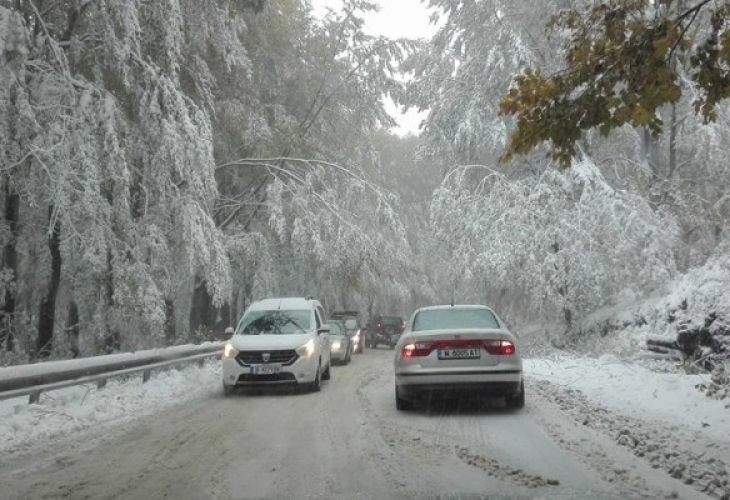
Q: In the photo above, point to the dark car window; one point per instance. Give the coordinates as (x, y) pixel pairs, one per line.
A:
(275, 322)
(391, 320)
(444, 319)
(336, 328)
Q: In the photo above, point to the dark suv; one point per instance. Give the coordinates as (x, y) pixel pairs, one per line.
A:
(385, 330)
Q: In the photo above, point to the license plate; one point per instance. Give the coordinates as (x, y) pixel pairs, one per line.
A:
(265, 370)
(465, 353)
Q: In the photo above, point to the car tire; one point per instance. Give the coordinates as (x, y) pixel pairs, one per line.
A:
(517, 401)
(316, 386)
(402, 404)
(326, 374)
(228, 390)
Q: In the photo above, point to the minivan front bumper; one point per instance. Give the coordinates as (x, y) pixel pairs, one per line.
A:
(303, 370)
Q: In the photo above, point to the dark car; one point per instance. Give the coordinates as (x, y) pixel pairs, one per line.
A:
(385, 330)
(354, 327)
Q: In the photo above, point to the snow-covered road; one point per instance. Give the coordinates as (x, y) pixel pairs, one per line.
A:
(349, 442)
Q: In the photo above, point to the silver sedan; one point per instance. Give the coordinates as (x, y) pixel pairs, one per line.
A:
(342, 345)
(457, 349)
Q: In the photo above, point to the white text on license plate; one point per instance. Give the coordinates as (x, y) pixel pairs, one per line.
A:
(465, 353)
(265, 370)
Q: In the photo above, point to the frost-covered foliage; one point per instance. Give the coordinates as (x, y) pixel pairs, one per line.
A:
(560, 242)
(460, 74)
(105, 147)
(334, 235)
(687, 320)
(662, 200)
(121, 224)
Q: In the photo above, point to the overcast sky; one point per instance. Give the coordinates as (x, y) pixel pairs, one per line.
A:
(396, 19)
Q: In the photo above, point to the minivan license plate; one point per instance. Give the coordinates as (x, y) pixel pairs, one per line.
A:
(465, 353)
(265, 370)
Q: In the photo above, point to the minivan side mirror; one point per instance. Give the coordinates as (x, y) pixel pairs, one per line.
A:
(323, 329)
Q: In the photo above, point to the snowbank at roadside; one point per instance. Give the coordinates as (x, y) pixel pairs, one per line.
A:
(75, 409)
(636, 391)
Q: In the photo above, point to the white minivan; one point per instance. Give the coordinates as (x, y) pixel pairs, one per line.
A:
(278, 342)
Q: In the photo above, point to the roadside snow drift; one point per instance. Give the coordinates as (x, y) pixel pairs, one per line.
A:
(78, 408)
(633, 390)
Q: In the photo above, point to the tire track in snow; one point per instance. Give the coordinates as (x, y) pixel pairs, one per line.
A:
(662, 447)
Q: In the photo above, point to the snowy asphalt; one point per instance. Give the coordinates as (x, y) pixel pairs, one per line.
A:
(347, 442)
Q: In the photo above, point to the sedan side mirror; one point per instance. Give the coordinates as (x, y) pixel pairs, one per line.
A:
(229, 331)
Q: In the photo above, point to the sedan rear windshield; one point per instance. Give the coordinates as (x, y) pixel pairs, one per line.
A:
(446, 319)
(275, 322)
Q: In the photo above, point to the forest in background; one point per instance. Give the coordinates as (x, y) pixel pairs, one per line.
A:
(164, 163)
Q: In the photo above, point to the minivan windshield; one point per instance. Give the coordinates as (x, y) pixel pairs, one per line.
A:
(276, 322)
(445, 319)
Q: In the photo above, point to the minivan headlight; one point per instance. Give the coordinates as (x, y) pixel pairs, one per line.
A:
(229, 351)
(307, 349)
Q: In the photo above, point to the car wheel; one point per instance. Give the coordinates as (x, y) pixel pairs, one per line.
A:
(228, 390)
(316, 386)
(517, 400)
(326, 373)
(400, 403)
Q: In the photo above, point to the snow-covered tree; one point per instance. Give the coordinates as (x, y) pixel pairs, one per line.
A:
(564, 242)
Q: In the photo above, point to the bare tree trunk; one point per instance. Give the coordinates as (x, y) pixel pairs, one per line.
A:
(170, 331)
(673, 129)
(112, 338)
(47, 309)
(563, 292)
(234, 310)
(10, 262)
(650, 153)
(73, 328)
(202, 312)
(225, 319)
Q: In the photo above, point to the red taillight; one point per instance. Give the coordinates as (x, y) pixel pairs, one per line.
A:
(493, 347)
(507, 348)
(417, 350)
(499, 347)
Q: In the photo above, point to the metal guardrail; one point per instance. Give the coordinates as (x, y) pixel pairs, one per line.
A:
(98, 369)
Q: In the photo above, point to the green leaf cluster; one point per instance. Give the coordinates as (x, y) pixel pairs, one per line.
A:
(620, 68)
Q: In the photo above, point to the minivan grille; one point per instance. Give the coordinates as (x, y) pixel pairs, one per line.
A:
(283, 377)
(284, 357)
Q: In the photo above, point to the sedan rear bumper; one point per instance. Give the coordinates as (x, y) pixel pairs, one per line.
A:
(447, 390)
(485, 382)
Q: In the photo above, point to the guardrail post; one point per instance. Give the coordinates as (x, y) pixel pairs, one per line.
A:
(146, 375)
(101, 383)
(34, 398)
